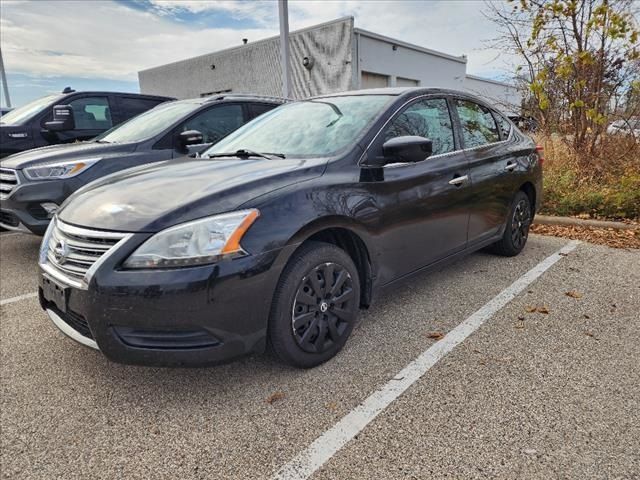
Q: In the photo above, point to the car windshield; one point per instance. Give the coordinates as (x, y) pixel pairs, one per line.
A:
(20, 115)
(150, 123)
(312, 128)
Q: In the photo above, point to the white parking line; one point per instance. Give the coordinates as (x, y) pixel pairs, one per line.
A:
(332, 440)
(18, 298)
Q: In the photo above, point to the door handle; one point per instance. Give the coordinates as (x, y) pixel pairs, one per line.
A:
(459, 180)
(510, 166)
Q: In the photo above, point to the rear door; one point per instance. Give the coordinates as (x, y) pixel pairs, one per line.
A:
(491, 162)
(424, 206)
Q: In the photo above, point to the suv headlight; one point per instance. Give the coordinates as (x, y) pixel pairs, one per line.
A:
(59, 170)
(194, 243)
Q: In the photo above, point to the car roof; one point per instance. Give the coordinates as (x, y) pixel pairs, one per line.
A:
(407, 92)
(128, 94)
(396, 91)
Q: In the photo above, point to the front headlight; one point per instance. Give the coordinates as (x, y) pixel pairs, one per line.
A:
(59, 170)
(194, 243)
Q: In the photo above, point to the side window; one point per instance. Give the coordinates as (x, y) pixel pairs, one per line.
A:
(91, 113)
(503, 124)
(478, 125)
(133, 106)
(257, 109)
(216, 123)
(425, 118)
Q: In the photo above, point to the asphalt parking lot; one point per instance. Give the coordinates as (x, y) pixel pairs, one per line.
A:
(550, 393)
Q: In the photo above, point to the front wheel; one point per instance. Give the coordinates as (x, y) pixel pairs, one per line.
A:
(315, 305)
(516, 232)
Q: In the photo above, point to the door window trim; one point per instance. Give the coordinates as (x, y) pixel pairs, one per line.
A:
(455, 121)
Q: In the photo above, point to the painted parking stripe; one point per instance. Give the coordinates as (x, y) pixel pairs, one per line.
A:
(6, 301)
(332, 440)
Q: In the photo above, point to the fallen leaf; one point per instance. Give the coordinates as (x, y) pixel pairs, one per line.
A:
(573, 294)
(435, 335)
(520, 324)
(586, 316)
(332, 406)
(530, 308)
(544, 309)
(274, 397)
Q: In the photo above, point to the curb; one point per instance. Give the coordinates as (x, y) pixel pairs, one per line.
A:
(579, 222)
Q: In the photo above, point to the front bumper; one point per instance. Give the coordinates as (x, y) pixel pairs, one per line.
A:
(183, 317)
(22, 210)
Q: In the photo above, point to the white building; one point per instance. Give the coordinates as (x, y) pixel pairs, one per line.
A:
(326, 58)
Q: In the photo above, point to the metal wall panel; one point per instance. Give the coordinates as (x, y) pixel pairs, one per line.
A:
(255, 67)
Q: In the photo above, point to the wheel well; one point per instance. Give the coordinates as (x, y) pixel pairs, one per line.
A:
(357, 250)
(530, 191)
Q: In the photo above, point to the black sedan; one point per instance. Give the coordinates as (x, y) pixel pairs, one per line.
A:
(33, 184)
(282, 231)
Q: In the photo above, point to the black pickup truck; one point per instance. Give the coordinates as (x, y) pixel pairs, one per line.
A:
(88, 114)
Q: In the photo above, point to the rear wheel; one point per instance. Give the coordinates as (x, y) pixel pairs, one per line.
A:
(315, 305)
(516, 232)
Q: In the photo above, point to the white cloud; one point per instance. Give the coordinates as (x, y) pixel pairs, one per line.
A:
(102, 39)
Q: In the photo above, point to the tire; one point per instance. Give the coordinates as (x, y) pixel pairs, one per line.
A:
(516, 231)
(311, 318)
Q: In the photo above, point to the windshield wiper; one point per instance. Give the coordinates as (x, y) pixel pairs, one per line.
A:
(244, 153)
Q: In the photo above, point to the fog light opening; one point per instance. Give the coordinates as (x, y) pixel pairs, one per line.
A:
(50, 208)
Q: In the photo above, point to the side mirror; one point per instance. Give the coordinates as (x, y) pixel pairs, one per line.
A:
(190, 137)
(409, 149)
(63, 119)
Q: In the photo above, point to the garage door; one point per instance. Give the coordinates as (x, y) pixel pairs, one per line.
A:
(374, 80)
(406, 82)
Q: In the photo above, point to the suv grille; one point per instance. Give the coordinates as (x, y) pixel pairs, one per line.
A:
(8, 181)
(72, 251)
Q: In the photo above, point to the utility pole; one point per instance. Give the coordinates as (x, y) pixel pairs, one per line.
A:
(5, 86)
(283, 10)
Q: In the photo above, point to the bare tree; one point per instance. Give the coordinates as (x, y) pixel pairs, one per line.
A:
(579, 62)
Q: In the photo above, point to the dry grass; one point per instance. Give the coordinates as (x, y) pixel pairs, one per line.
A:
(606, 185)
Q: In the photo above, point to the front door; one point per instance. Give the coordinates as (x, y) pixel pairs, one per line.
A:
(424, 205)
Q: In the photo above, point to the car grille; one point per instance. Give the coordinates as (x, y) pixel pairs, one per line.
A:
(8, 181)
(72, 251)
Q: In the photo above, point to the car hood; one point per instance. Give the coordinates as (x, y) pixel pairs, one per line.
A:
(62, 153)
(153, 197)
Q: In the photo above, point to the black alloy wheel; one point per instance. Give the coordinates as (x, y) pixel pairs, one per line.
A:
(516, 230)
(520, 223)
(315, 305)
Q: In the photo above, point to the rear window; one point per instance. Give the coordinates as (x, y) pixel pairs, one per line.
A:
(133, 106)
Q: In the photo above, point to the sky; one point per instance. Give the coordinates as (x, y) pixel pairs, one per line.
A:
(102, 44)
